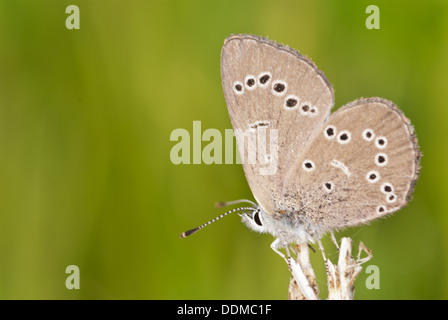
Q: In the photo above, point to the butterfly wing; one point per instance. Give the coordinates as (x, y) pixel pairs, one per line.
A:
(269, 86)
(361, 165)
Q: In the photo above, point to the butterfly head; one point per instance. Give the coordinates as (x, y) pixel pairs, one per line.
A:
(254, 219)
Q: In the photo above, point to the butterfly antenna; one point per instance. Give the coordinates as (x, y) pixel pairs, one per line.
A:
(191, 231)
(221, 204)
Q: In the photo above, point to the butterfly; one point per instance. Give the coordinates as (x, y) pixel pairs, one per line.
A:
(332, 170)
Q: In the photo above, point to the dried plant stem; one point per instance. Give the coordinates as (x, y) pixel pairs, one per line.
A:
(305, 288)
(340, 278)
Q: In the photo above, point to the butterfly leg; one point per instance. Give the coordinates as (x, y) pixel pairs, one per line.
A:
(333, 238)
(321, 247)
(276, 245)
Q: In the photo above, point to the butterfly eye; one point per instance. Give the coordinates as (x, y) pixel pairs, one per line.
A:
(257, 218)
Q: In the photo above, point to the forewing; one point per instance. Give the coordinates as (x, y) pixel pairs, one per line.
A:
(269, 86)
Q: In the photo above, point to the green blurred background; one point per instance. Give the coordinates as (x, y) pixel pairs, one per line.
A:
(85, 123)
